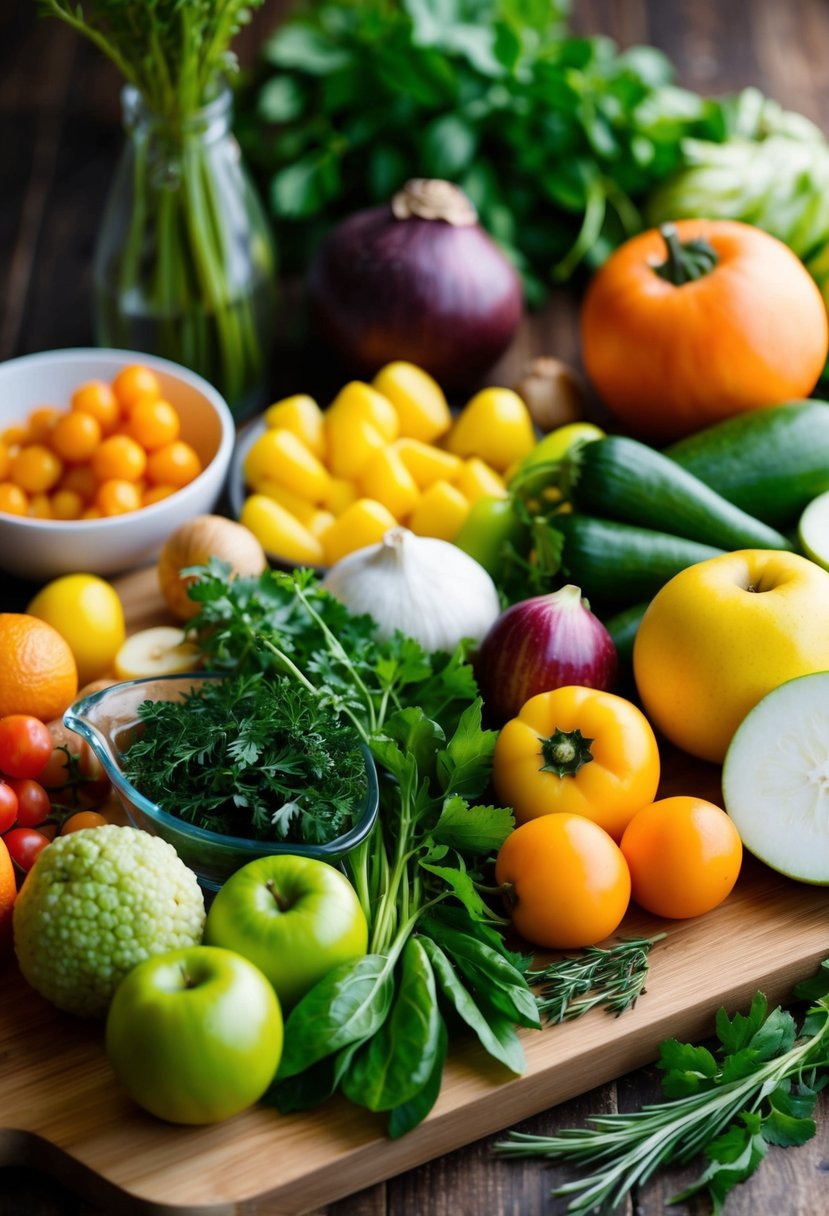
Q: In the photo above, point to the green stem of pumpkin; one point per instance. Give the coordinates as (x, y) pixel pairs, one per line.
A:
(685, 261)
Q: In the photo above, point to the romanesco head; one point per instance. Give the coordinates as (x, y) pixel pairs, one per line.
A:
(97, 902)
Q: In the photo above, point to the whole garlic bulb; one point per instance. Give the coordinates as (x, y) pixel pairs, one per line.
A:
(427, 588)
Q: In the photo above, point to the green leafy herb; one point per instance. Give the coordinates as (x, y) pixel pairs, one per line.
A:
(554, 137)
(758, 1088)
(243, 756)
(613, 977)
(377, 1029)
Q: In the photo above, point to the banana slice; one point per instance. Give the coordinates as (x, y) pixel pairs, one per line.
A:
(160, 651)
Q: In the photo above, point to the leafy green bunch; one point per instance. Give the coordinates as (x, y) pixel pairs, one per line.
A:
(175, 52)
(554, 137)
(757, 1088)
(249, 757)
(377, 1029)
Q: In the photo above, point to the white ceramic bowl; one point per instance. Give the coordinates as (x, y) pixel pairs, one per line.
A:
(39, 549)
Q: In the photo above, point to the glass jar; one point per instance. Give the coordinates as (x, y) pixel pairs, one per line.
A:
(184, 263)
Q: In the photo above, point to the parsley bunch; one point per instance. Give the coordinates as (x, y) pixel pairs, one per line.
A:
(555, 138)
(759, 1088)
(264, 760)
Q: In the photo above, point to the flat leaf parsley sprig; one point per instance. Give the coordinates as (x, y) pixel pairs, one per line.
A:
(759, 1088)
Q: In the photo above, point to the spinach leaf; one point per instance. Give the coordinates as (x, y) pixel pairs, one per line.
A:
(407, 1116)
(349, 1004)
(493, 978)
(397, 1062)
(496, 1035)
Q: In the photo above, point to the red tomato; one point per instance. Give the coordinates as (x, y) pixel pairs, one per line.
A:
(25, 745)
(8, 806)
(25, 846)
(33, 803)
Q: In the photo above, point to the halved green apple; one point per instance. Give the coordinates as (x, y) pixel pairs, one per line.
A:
(776, 779)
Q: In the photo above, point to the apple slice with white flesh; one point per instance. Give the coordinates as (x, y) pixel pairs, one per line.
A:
(776, 779)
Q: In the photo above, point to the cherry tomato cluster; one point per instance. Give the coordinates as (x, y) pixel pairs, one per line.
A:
(28, 819)
(115, 449)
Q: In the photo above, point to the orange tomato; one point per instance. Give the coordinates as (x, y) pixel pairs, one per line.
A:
(684, 856)
(568, 882)
(153, 423)
(579, 750)
(174, 464)
(97, 398)
(35, 468)
(82, 820)
(75, 436)
(669, 356)
(119, 457)
(132, 383)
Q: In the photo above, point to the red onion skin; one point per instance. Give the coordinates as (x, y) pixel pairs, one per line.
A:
(443, 297)
(540, 644)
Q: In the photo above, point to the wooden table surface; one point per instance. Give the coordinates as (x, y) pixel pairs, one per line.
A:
(59, 138)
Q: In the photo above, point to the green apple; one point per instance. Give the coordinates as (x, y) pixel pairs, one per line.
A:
(776, 779)
(195, 1035)
(295, 917)
(723, 633)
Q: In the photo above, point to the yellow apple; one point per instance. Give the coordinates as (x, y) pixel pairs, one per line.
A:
(722, 634)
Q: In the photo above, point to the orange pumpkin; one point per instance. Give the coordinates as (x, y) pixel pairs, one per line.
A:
(698, 320)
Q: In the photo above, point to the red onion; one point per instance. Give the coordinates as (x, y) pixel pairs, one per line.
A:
(417, 279)
(540, 644)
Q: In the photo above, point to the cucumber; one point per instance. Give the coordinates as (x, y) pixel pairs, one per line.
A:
(770, 462)
(616, 563)
(621, 478)
(623, 627)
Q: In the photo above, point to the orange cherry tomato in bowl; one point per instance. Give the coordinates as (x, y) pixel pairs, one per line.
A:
(568, 884)
(684, 856)
(579, 750)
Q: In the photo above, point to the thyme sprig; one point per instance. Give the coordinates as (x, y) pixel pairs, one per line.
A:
(613, 977)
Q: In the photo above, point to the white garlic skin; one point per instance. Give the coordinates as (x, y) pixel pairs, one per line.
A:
(427, 588)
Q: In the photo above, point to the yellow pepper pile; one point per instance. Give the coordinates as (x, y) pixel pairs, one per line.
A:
(326, 482)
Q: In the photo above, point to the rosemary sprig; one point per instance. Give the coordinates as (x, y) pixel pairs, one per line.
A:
(759, 1089)
(614, 977)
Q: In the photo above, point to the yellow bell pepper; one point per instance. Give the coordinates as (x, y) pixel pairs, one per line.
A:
(581, 750)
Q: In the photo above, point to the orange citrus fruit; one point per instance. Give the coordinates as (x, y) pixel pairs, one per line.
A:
(8, 894)
(38, 673)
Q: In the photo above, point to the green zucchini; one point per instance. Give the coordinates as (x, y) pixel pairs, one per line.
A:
(621, 478)
(616, 563)
(770, 462)
(623, 627)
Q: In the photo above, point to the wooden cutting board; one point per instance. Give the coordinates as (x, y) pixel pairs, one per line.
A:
(61, 1108)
